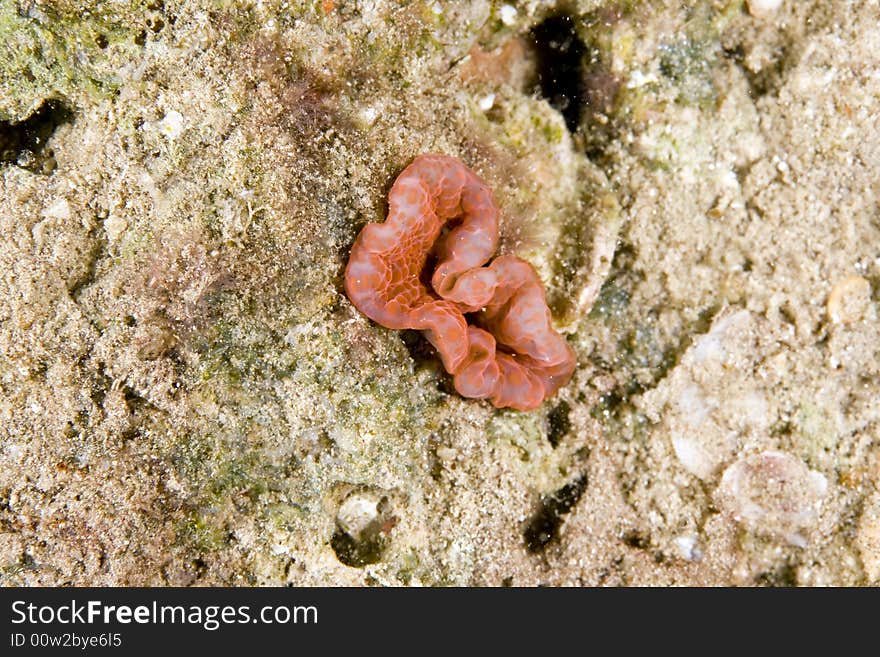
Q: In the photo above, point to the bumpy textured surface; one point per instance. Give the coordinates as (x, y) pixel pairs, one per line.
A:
(439, 209)
(187, 397)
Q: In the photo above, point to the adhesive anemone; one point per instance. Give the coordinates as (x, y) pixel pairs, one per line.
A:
(442, 215)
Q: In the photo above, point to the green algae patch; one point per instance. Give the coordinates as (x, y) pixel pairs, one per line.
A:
(522, 440)
(52, 50)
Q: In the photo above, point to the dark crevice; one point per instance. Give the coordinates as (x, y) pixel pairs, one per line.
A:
(136, 402)
(576, 78)
(559, 52)
(544, 526)
(644, 355)
(359, 548)
(23, 143)
(635, 539)
(199, 567)
(558, 423)
(424, 355)
(87, 277)
(640, 350)
(768, 80)
(354, 553)
(101, 383)
(784, 576)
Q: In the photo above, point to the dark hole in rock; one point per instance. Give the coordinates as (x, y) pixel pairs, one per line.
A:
(420, 350)
(784, 576)
(544, 526)
(424, 356)
(559, 53)
(558, 423)
(356, 553)
(363, 526)
(635, 539)
(23, 143)
(199, 567)
(770, 78)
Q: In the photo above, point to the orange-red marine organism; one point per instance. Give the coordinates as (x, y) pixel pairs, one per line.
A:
(440, 210)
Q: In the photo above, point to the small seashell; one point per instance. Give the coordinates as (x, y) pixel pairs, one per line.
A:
(508, 14)
(171, 125)
(114, 226)
(357, 512)
(848, 300)
(773, 493)
(760, 8)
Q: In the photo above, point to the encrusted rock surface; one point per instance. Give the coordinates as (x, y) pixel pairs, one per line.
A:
(188, 397)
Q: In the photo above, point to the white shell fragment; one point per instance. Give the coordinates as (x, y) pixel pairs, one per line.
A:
(849, 300)
(357, 512)
(773, 493)
(171, 125)
(761, 8)
(60, 209)
(708, 405)
(115, 225)
(508, 14)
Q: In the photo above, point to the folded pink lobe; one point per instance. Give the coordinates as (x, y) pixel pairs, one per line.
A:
(439, 208)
